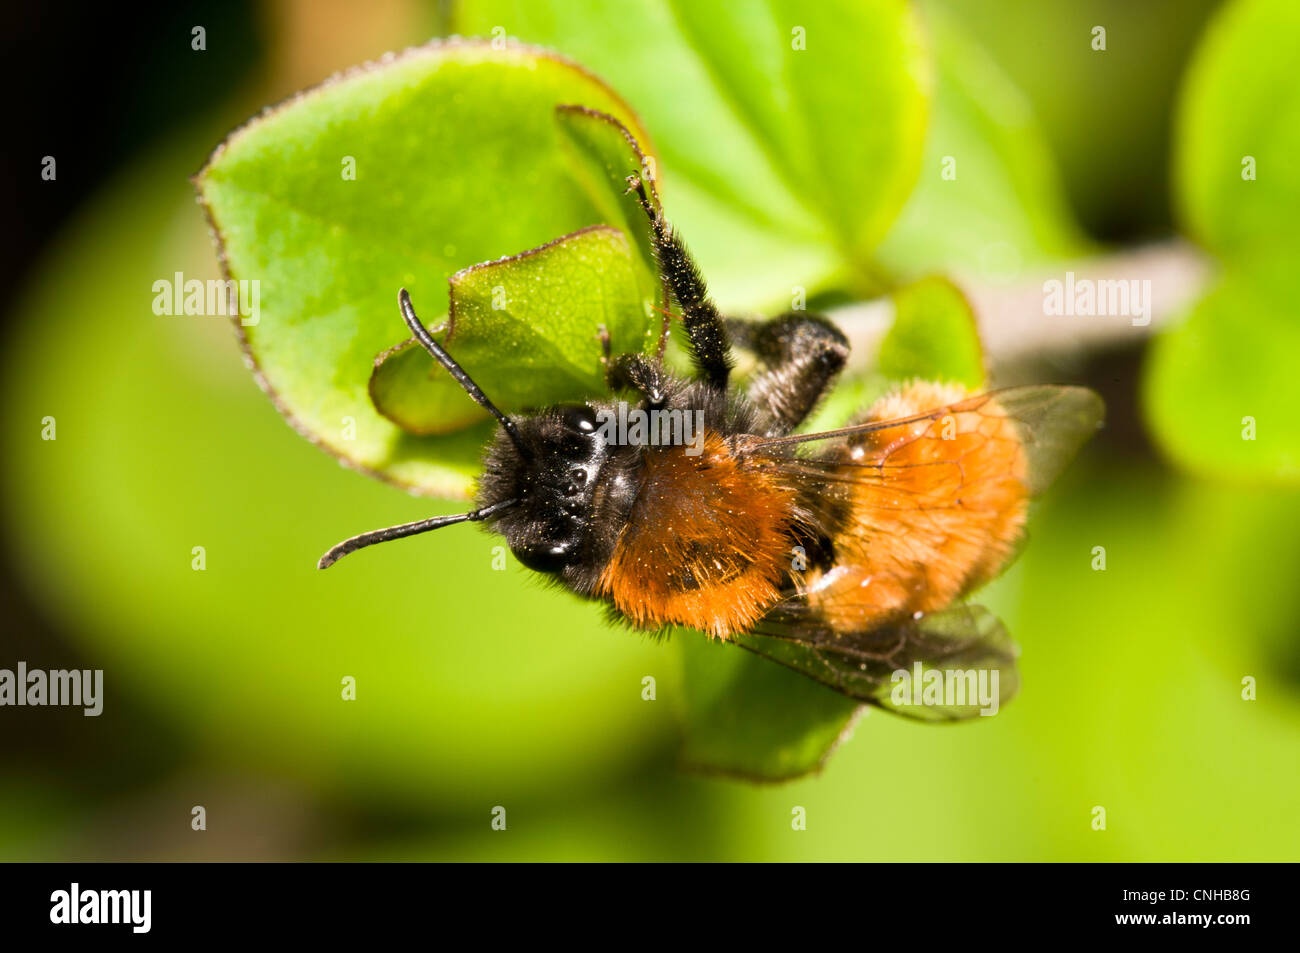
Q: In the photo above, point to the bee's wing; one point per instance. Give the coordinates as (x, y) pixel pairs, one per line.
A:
(1004, 445)
(967, 641)
(1051, 421)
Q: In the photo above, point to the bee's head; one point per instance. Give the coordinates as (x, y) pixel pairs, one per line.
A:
(551, 467)
(540, 487)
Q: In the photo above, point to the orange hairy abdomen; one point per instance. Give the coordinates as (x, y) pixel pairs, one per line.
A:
(939, 516)
(705, 545)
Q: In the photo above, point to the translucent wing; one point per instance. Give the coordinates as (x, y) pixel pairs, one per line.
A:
(944, 666)
(1050, 422)
(924, 502)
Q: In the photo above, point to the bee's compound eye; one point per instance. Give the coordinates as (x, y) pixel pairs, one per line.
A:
(580, 419)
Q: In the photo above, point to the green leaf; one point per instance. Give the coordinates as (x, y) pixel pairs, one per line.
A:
(748, 717)
(413, 391)
(789, 164)
(933, 336)
(525, 328)
(1239, 116)
(834, 94)
(989, 197)
(604, 154)
(458, 159)
(1221, 391)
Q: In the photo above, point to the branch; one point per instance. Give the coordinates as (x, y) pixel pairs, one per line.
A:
(1013, 317)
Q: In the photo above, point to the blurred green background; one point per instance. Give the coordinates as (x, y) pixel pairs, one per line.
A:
(477, 688)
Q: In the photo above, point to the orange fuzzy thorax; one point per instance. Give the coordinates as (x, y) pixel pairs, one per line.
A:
(705, 545)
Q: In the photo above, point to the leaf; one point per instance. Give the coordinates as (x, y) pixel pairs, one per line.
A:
(843, 122)
(413, 391)
(789, 164)
(604, 154)
(750, 718)
(933, 336)
(1220, 392)
(989, 197)
(1239, 114)
(525, 328)
(458, 159)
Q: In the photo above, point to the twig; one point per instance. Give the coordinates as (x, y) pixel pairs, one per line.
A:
(1014, 318)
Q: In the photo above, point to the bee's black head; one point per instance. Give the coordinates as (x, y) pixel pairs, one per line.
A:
(567, 483)
(552, 486)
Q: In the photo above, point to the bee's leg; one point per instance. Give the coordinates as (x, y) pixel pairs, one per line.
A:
(637, 372)
(710, 346)
(803, 354)
(741, 332)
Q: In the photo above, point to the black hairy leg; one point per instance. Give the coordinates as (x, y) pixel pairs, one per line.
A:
(639, 373)
(709, 344)
(802, 354)
(633, 372)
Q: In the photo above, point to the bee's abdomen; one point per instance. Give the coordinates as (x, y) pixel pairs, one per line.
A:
(940, 517)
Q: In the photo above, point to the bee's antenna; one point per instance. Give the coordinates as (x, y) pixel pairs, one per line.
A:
(455, 370)
(407, 529)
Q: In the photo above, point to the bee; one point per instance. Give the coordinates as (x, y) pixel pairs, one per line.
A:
(845, 555)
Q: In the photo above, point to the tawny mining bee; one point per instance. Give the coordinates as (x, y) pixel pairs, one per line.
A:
(844, 554)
